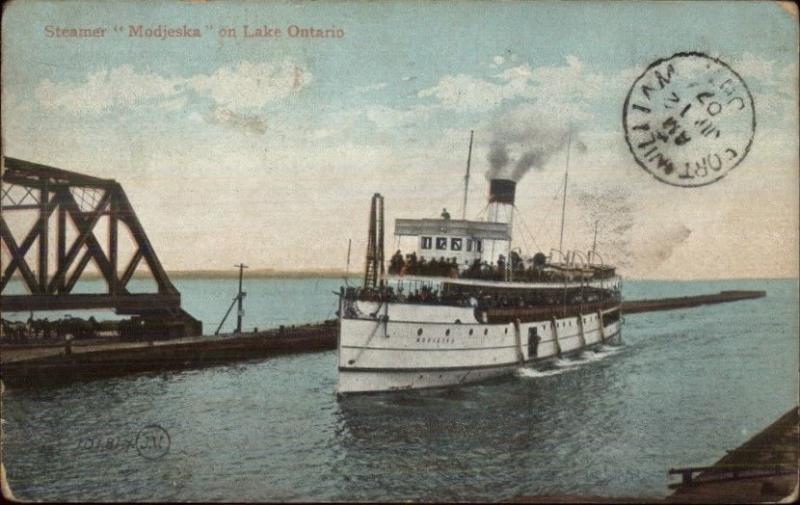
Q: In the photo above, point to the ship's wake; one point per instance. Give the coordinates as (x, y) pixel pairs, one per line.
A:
(562, 365)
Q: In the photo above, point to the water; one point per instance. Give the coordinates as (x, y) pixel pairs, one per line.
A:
(686, 386)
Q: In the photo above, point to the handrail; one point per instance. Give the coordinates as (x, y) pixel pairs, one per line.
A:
(592, 254)
(580, 255)
(560, 253)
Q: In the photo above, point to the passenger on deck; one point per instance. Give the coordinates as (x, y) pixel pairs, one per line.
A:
(516, 261)
(396, 264)
(445, 214)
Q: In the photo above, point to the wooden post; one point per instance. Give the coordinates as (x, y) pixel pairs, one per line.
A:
(555, 336)
(518, 341)
(601, 326)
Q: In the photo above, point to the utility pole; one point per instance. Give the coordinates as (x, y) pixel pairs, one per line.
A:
(240, 296)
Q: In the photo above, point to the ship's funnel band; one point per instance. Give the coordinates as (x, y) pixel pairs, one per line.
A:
(502, 191)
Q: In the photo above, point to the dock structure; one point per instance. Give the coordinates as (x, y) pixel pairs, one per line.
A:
(763, 469)
(26, 365)
(83, 203)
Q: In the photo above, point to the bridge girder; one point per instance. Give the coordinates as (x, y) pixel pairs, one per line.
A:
(47, 190)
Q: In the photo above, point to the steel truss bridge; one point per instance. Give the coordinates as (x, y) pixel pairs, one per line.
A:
(42, 191)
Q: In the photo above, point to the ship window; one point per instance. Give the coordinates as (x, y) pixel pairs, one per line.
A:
(470, 331)
(506, 331)
(486, 331)
(441, 243)
(426, 242)
(478, 245)
(447, 333)
(455, 244)
(469, 245)
(419, 331)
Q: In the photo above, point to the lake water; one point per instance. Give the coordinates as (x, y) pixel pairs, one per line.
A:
(686, 386)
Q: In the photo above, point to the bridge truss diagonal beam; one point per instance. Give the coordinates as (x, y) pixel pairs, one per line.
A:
(53, 190)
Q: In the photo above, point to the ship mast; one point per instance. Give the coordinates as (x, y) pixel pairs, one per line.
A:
(466, 177)
(373, 274)
(564, 199)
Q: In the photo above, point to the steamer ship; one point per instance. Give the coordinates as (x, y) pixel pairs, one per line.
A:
(452, 313)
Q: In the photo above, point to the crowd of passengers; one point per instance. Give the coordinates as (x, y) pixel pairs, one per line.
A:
(430, 296)
(46, 330)
(444, 267)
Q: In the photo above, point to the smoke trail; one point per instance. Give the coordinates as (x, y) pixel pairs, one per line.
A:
(525, 139)
(498, 158)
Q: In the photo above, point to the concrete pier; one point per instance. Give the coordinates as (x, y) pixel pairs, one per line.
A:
(685, 302)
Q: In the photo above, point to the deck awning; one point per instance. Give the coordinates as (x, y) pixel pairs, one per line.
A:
(479, 229)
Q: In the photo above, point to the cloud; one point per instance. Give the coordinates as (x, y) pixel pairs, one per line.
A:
(498, 60)
(121, 86)
(234, 88)
(251, 85)
(371, 87)
(751, 67)
(774, 88)
(241, 122)
(465, 92)
(389, 117)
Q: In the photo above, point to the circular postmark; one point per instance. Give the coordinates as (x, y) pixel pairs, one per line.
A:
(152, 442)
(689, 119)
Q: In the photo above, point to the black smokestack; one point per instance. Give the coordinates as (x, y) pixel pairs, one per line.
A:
(502, 191)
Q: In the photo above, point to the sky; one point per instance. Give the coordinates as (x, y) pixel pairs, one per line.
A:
(267, 150)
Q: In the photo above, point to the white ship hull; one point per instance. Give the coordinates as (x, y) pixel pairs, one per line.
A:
(399, 346)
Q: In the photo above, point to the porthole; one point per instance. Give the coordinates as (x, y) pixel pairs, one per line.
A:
(419, 331)
(447, 333)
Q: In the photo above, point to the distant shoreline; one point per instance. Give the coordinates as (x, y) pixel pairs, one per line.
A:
(250, 273)
(262, 273)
